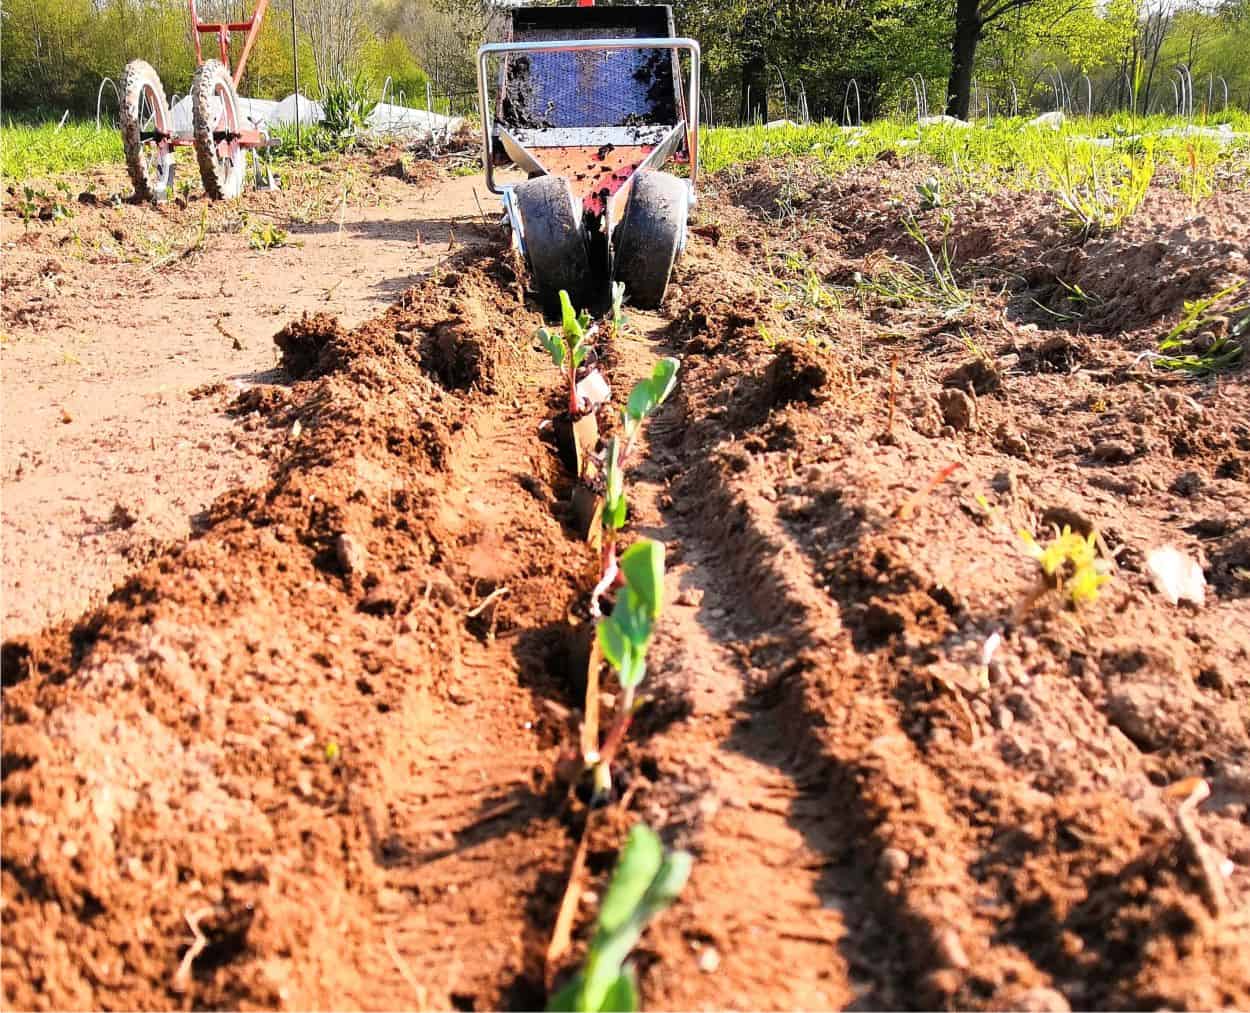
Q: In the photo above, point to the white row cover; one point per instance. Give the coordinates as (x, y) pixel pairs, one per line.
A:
(385, 119)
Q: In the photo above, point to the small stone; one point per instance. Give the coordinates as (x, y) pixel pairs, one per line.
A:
(352, 558)
(959, 410)
(1003, 718)
(709, 960)
(1012, 443)
(1113, 451)
(950, 951)
(1020, 706)
(1005, 482)
(691, 597)
(893, 862)
(382, 600)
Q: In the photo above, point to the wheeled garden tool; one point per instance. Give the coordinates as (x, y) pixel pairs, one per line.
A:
(218, 136)
(589, 103)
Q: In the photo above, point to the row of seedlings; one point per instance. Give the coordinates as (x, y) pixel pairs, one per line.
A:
(624, 606)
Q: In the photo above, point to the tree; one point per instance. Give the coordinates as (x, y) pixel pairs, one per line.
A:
(1091, 31)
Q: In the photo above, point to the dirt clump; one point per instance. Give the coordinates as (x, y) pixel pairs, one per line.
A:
(797, 374)
(304, 342)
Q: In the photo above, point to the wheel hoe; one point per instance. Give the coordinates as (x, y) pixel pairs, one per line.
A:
(588, 101)
(218, 135)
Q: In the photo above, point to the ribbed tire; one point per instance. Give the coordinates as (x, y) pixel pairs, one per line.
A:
(215, 110)
(146, 110)
(555, 239)
(649, 237)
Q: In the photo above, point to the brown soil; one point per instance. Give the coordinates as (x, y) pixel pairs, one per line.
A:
(127, 330)
(304, 758)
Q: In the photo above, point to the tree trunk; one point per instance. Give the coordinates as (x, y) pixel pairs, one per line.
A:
(754, 90)
(963, 56)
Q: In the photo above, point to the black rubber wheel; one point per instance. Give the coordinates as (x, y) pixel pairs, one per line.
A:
(145, 110)
(555, 238)
(215, 120)
(649, 237)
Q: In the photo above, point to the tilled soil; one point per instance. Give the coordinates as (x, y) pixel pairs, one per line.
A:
(305, 759)
(125, 330)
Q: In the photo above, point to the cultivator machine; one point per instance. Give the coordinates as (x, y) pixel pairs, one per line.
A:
(221, 141)
(588, 101)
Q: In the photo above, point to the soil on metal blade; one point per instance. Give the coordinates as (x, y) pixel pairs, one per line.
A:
(306, 758)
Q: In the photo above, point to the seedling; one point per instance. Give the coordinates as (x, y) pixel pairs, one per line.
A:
(1202, 349)
(648, 394)
(930, 193)
(1097, 200)
(619, 320)
(646, 881)
(1070, 564)
(624, 638)
(569, 346)
(266, 237)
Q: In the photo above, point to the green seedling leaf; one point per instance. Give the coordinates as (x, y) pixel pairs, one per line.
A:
(634, 671)
(622, 995)
(630, 619)
(615, 645)
(664, 378)
(650, 393)
(643, 566)
(568, 315)
(553, 344)
(641, 859)
(671, 878)
(645, 882)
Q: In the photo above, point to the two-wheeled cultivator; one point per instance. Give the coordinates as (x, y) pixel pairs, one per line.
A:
(589, 103)
(221, 141)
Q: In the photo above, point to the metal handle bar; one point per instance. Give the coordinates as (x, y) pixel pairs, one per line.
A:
(503, 48)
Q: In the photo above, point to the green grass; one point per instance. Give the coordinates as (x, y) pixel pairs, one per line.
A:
(1008, 152)
(44, 152)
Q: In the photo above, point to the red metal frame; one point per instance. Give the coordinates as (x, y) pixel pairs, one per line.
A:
(224, 31)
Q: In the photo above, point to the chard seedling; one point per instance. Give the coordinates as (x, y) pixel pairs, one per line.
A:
(646, 881)
(568, 347)
(648, 394)
(619, 320)
(624, 638)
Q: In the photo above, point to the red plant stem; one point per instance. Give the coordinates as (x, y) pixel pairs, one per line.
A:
(620, 726)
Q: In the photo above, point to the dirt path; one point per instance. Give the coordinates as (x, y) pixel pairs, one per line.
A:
(306, 758)
(115, 375)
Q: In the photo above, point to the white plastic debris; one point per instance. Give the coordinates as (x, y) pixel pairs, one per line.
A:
(1054, 120)
(943, 121)
(1175, 576)
(593, 390)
